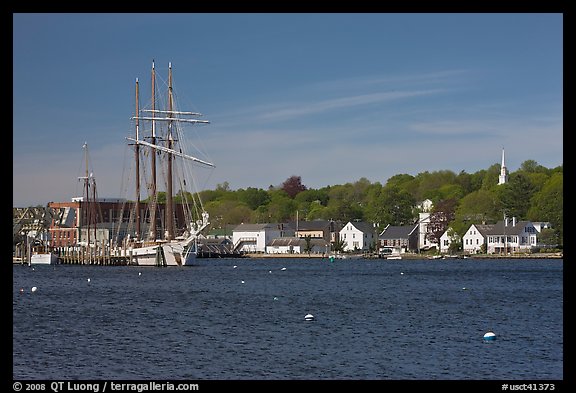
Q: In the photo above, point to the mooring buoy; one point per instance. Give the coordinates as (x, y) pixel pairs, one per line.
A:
(490, 336)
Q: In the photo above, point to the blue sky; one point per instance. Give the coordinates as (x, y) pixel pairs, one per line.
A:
(328, 97)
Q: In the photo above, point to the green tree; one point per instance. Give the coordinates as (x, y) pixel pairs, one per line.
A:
(516, 194)
(490, 178)
(548, 204)
(253, 197)
(281, 207)
(229, 212)
(341, 204)
(390, 205)
(548, 237)
(478, 207)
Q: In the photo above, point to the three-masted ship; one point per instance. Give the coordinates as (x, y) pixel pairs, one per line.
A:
(156, 240)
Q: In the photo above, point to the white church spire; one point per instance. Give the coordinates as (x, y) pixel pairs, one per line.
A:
(503, 178)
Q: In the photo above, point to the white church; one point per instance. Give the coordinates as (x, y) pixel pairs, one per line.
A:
(503, 178)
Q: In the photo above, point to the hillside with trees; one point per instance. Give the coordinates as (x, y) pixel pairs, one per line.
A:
(533, 193)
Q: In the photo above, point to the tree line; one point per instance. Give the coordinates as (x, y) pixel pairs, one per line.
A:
(533, 193)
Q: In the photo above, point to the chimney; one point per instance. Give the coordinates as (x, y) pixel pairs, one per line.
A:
(513, 221)
(505, 221)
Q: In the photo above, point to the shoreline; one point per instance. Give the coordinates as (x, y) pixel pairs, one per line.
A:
(410, 256)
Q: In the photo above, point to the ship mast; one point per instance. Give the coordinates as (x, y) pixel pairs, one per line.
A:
(86, 185)
(137, 153)
(169, 203)
(172, 117)
(153, 142)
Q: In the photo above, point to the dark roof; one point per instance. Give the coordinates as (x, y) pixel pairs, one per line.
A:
(312, 225)
(484, 229)
(363, 226)
(397, 232)
(218, 240)
(287, 241)
(296, 241)
(500, 229)
(260, 227)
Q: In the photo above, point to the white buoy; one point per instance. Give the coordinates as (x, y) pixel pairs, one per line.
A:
(401, 272)
(234, 267)
(309, 317)
(88, 280)
(139, 273)
(34, 289)
(283, 268)
(242, 281)
(269, 271)
(490, 336)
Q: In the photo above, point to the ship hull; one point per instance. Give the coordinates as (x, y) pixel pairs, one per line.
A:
(167, 254)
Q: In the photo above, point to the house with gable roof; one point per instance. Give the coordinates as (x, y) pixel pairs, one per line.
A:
(358, 236)
(316, 229)
(475, 237)
(255, 237)
(398, 239)
(447, 238)
(509, 236)
(297, 245)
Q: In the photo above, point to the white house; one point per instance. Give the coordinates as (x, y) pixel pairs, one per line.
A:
(425, 206)
(475, 237)
(286, 245)
(510, 236)
(447, 238)
(423, 221)
(255, 237)
(358, 235)
(297, 245)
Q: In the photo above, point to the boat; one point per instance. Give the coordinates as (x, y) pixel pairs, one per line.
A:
(165, 242)
(48, 258)
(42, 256)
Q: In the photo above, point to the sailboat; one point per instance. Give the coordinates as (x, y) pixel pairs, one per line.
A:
(166, 141)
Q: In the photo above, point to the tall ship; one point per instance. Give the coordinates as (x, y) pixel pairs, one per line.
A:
(168, 236)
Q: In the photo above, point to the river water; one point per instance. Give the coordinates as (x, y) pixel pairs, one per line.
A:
(243, 319)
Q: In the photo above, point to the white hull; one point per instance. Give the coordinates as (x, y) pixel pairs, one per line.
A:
(173, 255)
(44, 259)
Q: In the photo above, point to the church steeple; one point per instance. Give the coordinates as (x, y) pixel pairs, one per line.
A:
(503, 178)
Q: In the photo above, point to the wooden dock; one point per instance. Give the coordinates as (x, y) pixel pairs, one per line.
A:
(79, 256)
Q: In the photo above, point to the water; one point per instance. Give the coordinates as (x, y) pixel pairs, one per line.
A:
(374, 320)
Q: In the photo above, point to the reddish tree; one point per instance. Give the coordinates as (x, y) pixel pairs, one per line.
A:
(293, 185)
(442, 215)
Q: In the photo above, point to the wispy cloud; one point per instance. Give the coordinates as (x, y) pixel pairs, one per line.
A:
(341, 94)
(403, 81)
(299, 109)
